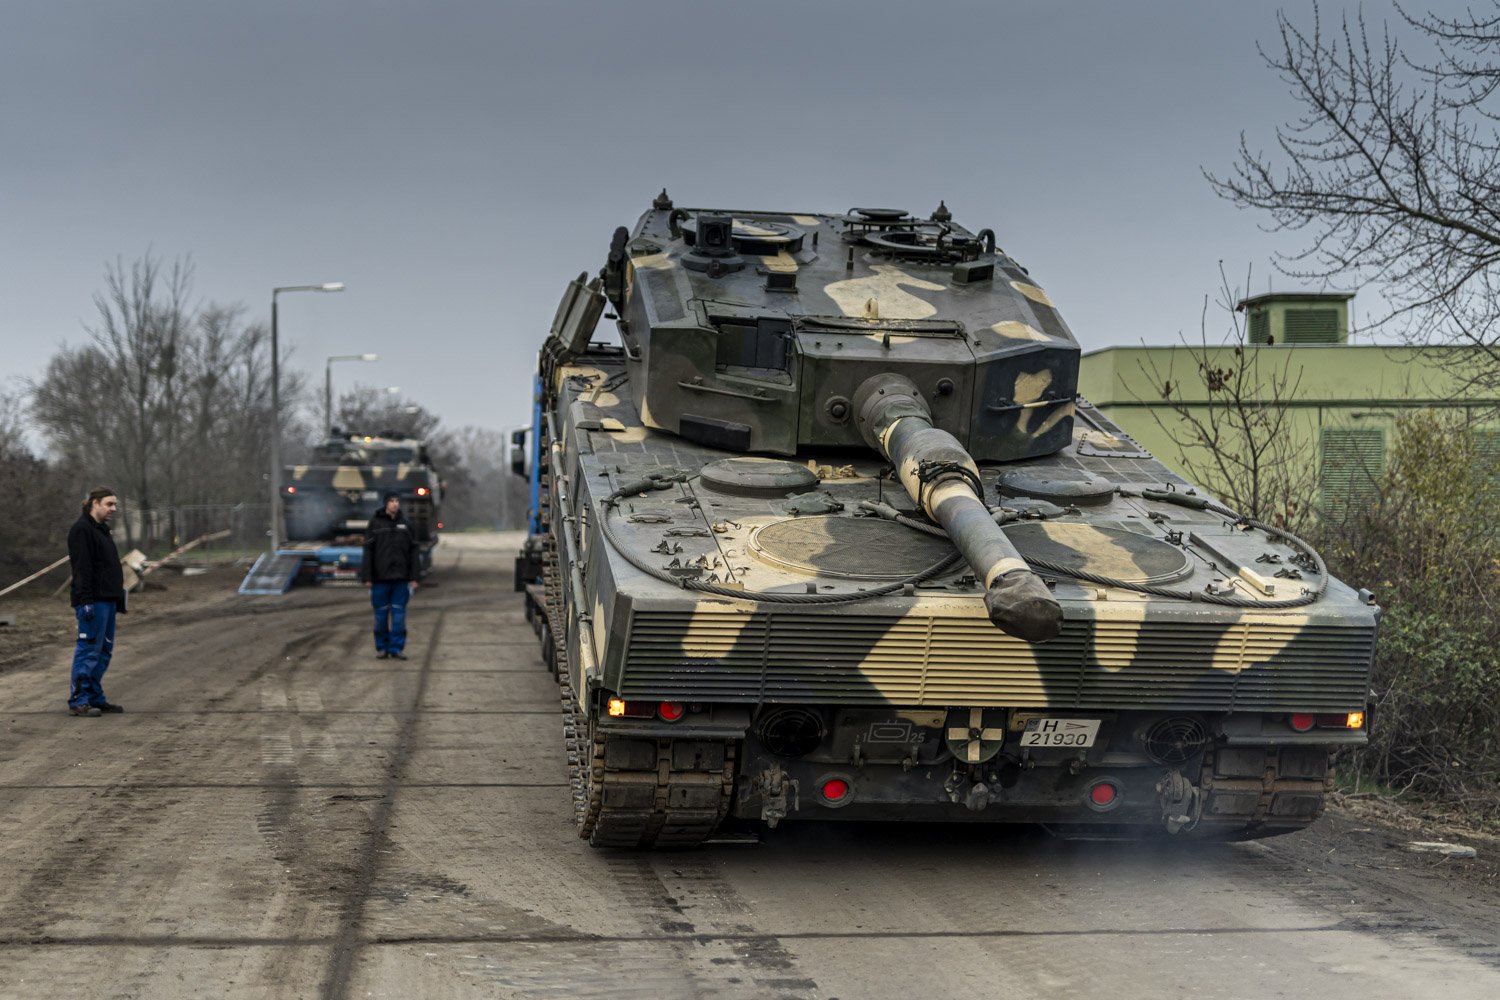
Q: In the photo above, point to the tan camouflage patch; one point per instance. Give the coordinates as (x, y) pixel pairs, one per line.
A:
(1016, 330)
(1054, 418)
(1032, 292)
(1031, 385)
(885, 288)
(347, 477)
(781, 263)
(756, 229)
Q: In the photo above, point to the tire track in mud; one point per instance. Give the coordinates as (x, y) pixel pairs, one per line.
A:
(114, 820)
(684, 901)
(347, 941)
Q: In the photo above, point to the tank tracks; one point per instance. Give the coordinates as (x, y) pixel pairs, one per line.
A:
(630, 792)
(1262, 792)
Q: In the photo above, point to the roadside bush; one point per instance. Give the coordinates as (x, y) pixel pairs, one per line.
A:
(1430, 549)
(40, 502)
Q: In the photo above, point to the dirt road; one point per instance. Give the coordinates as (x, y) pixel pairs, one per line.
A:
(278, 814)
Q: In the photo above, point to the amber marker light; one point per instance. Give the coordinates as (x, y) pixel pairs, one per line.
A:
(1356, 720)
(616, 707)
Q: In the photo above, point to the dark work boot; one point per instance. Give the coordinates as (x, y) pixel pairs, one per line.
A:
(398, 656)
(87, 711)
(109, 707)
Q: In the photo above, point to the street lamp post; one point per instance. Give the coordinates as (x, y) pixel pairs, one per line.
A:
(328, 385)
(275, 488)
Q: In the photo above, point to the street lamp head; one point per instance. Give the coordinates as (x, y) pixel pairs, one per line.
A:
(369, 357)
(331, 286)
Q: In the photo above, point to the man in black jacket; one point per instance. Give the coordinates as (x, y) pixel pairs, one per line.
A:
(98, 596)
(390, 568)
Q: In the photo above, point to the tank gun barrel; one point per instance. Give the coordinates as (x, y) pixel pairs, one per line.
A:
(944, 481)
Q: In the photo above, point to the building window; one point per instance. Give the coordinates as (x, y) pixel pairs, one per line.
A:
(1352, 464)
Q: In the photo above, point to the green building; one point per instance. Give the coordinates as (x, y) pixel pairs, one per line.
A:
(1343, 399)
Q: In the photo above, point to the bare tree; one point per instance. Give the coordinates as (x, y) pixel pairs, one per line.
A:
(108, 406)
(12, 423)
(495, 497)
(1391, 168)
(366, 409)
(167, 401)
(1229, 421)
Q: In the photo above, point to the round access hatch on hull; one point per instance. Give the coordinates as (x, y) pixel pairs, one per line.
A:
(862, 548)
(1102, 551)
(1058, 485)
(757, 477)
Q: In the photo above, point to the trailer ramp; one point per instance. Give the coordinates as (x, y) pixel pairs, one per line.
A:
(273, 573)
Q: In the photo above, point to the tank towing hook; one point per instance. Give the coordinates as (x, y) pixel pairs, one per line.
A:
(978, 796)
(772, 786)
(1181, 802)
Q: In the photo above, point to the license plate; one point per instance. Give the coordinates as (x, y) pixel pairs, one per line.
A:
(1059, 732)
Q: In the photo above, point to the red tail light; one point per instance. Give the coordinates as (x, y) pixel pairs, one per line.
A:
(670, 711)
(421, 491)
(1302, 721)
(291, 489)
(835, 789)
(1104, 794)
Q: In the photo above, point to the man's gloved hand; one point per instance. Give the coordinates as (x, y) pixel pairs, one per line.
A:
(88, 612)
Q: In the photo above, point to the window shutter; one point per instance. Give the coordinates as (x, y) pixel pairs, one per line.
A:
(1487, 450)
(1352, 463)
(1260, 325)
(1312, 326)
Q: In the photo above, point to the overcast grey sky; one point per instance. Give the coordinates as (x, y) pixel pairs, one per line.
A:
(455, 163)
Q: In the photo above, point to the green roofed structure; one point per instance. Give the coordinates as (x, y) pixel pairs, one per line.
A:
(1345, 398)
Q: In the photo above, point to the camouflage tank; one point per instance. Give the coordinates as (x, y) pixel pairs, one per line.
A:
(333, 497)
(829, 535)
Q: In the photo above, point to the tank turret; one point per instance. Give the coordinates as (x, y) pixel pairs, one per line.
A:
(778, 333)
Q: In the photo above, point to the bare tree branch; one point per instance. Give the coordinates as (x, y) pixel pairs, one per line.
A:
(1391, 168)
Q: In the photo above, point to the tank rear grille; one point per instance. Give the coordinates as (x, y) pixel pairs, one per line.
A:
(934, 660)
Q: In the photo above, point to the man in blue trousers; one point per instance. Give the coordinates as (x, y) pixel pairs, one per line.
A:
(390, 568)
(98, 596)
